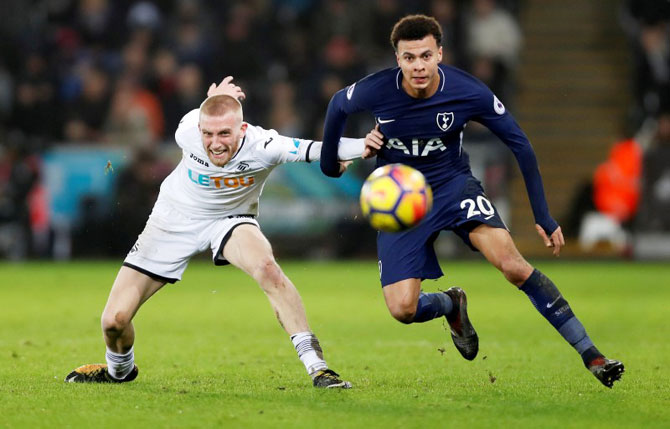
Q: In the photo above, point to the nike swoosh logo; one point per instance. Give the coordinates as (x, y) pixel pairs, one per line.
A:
(384, 121)
(552, 304)
(268, 142)
(488, 217)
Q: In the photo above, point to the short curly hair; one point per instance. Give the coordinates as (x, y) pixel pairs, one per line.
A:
(415, 27)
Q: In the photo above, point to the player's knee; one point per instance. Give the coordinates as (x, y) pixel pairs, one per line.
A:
(114, 323)
(515, 270)
(403, 312)
(267, 273)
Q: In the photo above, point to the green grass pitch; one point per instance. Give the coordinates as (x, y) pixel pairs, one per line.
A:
(211, 353)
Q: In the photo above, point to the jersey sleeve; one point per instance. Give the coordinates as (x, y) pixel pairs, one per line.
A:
(345, 102)
(492, 114)
(277, 149)
(187, 130)
(348, 149)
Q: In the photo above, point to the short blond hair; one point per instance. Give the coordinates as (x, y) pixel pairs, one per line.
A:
(219, 105)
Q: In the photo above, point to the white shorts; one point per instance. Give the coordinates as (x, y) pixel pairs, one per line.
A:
(170, 240)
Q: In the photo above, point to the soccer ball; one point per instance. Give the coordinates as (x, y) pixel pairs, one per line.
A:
(395, 197)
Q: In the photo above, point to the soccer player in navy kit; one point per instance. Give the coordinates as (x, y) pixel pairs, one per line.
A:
(421, 108)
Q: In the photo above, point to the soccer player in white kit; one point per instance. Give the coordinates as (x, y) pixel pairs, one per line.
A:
(210, 200)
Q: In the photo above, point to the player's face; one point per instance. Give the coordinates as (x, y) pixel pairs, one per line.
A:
(418, 60)
(221, 136)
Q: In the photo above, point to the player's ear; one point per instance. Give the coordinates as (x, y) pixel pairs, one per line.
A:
(243, 129)
(439, 54)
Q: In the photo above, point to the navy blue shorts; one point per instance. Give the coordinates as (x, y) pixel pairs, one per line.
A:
(459, 206)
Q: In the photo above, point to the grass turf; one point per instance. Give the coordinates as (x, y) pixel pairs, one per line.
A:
(211, 353)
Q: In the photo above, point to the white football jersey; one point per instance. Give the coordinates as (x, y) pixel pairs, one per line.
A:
(201, 190)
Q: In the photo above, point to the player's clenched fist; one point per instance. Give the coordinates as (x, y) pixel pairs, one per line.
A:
(374, 140)
(226, 87)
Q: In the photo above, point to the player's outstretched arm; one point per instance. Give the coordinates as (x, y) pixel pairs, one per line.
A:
(226, 87)
(496, 118)
(332, 132)
(279, 149)
(555, 240)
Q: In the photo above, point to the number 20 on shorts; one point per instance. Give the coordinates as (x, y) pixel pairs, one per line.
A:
(476, 208)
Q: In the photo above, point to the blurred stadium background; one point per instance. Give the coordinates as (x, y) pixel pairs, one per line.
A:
(91, 92)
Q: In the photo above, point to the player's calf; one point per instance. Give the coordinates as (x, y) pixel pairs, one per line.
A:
(549, 302)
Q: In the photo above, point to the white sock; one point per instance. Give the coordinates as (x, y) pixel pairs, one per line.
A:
(120, 365)
(309, 351)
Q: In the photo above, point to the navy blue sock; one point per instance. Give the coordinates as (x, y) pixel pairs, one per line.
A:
(548, 301)
(431, 306)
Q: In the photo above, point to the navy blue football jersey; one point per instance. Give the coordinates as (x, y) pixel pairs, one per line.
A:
(427, 134)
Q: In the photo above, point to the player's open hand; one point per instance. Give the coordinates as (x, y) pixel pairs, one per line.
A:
(374, 141)
(226, 87)
(556, 240)
(344, 165)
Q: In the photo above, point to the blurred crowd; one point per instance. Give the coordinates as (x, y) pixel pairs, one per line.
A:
(629, 196)
(647, 25)
(122, 73)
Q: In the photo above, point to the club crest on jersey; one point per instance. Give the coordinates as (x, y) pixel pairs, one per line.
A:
(444, 120)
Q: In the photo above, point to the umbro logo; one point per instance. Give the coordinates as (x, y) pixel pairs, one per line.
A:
(243, 165)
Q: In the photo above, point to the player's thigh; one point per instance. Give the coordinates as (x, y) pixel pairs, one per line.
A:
(407, 255)
(402, 295)
(167, 243)
(131, 289)
(497, 246)
(247, 247)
